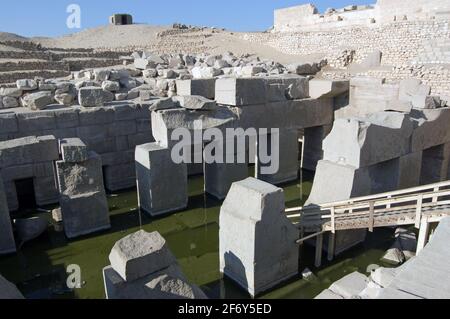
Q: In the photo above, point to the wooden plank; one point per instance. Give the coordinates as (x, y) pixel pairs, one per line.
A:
(371, 216)
(301, 240)
(319, 244)
(419, 211)
(331, 246)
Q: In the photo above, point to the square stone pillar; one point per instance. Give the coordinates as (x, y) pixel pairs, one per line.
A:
(7, 243)
(312, 146)
(288, 147)
(162, 184)
(258, 247)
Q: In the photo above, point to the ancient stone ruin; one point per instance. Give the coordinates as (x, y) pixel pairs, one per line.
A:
(359, 97)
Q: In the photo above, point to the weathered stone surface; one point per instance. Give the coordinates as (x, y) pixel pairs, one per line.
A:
(162, 184)
(202, 87)
(94, 96)
(140, 254)
(64, 99)
(168, 283)
(394, 256)
(165, 104)
(30, 228)
(327, 294)
(7, 243)
(8, 290)
(38, 101)
(73, 150)
(111, 86)
(383, 276)
(9, 102)
(82, 196)
(253, 260)
(376, 138)
(240, 92)
(350, 286)
(196, 102)
(321, 88)
(26, 85)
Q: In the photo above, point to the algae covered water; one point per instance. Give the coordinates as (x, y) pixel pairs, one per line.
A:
(39, 267)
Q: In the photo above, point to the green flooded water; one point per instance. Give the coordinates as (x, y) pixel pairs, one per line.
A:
(39, 267)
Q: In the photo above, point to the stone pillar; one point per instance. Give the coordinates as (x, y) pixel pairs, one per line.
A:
(7, 243)
(220, 176)
(162, 184)
(143, 267)
(258, 247)
(312, 146)
(84, 207)
(288, 147)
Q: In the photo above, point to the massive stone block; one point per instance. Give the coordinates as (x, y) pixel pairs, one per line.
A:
(241, 91)
(202, 87)
(288, 156)
(140, 254)
(7, 243)
(82, 196)
(312, 146)
(73, 150)
(94, 96)
(322, 88)
(363, 142)
(162, 184)
(248, 256)
(142, 267)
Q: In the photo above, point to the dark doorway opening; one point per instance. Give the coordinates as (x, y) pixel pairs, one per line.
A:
(25, 193)
(124, 20)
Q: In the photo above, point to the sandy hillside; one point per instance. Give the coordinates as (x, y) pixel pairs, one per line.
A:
(146, 36)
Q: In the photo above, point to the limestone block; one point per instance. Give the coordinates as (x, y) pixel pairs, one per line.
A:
(84, 213)
(8, 290)
(287, 87)
(94, 96)
(140, 254)
(409, 167)
(304, 68)
(394, 256)
(248, 256)
(111, 86)
(350, 286)
(10, 102)
(164, 122)
(11, 92)
(196, 102)
(7, 243)
(73, 150)
(162, 184)
(38, 101)
(28, 150)
(64, 99)
(202, 87)
(81, 177)
(346, 182)
(240, 92)
(205, 73)
(412, 87)
(165, 104)
(322, 88)
(8, 123)
(143, 64)
(220, 175)
(168, 283)
(26, 85)
(426, 102)
(363, 142)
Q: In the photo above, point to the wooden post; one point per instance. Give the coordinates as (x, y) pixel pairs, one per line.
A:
(319, 244)
(331, 246)
(423, 235)
(419, 211)
(333, 221)
(389, 205)
(371, 216)
(435, 199)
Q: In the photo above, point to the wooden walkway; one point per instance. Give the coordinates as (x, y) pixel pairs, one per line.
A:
(417, 206)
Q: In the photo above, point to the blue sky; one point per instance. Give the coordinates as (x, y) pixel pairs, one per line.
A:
(48, 17)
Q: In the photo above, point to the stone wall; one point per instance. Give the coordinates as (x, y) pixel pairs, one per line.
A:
(113, 132)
